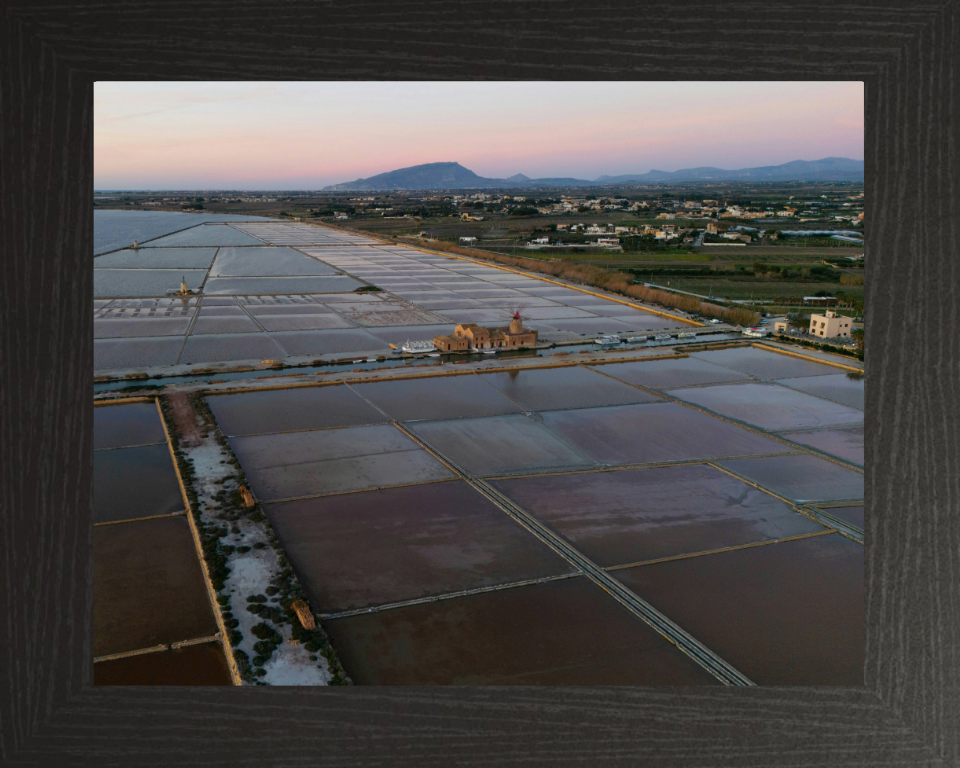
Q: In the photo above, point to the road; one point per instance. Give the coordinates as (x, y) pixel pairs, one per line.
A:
(685, 293)
(711, 298)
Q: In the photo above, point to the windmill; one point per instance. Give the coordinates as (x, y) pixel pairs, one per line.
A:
(516, 311)
(516, 336)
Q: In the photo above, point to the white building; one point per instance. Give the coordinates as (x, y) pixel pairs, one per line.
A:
(830, 325)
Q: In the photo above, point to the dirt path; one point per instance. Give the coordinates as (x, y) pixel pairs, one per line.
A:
(186, 419)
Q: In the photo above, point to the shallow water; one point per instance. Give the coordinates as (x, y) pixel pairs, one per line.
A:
(333, 461)
(328, 342)
(141, 327)
(843, 442)
(634, 434)
(202, 664)
(218, 235)
(666, 374)
(566, 632)
(397, 544)
(157, 258)
(116, 426)
(616, 518)
(850, 514)
(764, 364)
(264, 261)
(116, 229)
(769, 406)
(801, 478)
(235, 286)
(121, 354)
(108, 283)
(499, 445)
(302, 321)
(148, 586)
(286, 410)
(134, 482)
(783, 614)
(208, 325)
(216, 348)
(846, 388)
(445, 397)
(557, 388)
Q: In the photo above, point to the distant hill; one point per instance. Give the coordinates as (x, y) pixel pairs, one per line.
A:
(827, 169)
(433, 176)
(428, 176)
(445, 176)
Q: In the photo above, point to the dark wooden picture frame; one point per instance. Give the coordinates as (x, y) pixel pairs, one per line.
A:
(907, 713)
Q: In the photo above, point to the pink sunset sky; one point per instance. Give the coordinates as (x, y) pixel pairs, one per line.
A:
(222, 135)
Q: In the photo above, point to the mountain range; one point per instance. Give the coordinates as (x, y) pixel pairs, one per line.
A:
(434, 176)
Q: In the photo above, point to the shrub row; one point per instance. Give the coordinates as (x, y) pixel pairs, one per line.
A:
(285, 585)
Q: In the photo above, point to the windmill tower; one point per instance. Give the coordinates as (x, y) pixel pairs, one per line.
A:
(518, 336)
(516, 322)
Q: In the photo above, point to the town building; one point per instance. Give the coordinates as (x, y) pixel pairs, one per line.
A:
(468, 336)
(829, 325)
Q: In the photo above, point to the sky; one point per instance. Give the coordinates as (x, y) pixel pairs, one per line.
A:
(298, 135)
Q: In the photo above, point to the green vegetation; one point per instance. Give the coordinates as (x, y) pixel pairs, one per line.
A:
(857, 335)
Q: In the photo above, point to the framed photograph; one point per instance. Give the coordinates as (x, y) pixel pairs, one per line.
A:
(487, 411)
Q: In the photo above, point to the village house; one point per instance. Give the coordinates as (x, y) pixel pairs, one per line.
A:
(829, 325)
(469, 336)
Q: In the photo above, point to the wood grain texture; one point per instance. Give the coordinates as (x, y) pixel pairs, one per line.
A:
(909, 710)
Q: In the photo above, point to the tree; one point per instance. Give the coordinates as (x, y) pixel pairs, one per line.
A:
(857, 335)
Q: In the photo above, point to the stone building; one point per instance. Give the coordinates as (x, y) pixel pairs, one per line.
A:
(467, 336)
